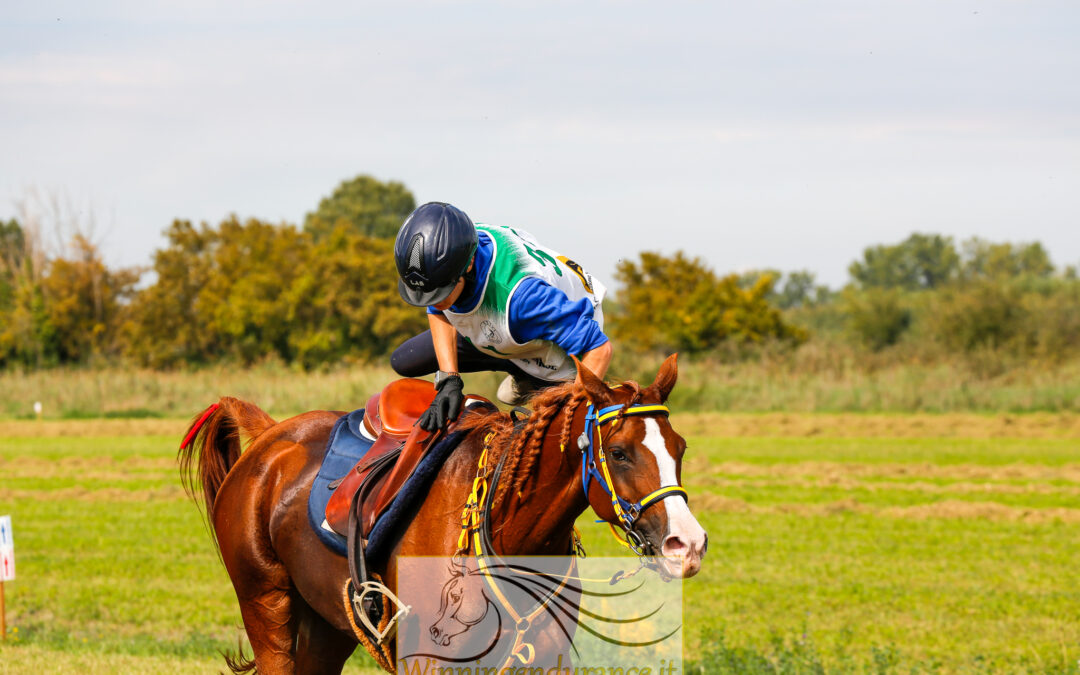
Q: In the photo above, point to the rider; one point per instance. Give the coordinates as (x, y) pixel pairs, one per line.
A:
(497, 300)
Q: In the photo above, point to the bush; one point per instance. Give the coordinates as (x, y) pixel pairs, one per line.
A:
(679, 304)
(876, 318)
(979, 315)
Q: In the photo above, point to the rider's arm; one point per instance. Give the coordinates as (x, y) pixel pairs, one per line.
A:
(444, 337)
(598, 360)
(540, 311)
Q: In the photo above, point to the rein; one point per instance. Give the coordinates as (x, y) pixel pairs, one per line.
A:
(476, 525)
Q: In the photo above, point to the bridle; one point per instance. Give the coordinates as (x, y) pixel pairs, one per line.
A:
(476, 520)
(594, 466)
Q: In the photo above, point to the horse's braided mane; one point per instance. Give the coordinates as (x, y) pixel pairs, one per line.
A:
(523, 448)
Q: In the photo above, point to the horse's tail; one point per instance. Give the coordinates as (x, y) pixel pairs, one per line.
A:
(212, 445)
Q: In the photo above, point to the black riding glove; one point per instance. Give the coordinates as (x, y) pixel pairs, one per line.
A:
(446, 406)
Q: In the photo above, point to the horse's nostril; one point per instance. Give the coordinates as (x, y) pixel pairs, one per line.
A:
(705, 546)
(434, 632)
(673, 547)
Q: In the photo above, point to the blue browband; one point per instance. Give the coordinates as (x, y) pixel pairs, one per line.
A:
(593, 465)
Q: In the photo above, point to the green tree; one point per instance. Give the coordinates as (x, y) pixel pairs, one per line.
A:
(26, 335)
(83, 300)
(981, 314)
(219, 293)
(986, 260)
(876, 317)
(165, 326)
(678, 303)
(242, 301)
(347, 305)
(244, 291)
(365, 205)
(800, 289)
(12, 243)
(921, 261)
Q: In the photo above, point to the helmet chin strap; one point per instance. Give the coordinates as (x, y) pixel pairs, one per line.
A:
(594, 466)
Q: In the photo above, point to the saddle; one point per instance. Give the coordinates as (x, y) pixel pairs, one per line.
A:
(389, 418)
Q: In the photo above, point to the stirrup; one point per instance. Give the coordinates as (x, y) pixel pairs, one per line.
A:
(371, 588)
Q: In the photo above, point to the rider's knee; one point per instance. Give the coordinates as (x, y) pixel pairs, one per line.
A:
(399, 363)
(407, 363)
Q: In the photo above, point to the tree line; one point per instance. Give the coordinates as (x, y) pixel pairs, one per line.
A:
(928, 299)
(324, 293)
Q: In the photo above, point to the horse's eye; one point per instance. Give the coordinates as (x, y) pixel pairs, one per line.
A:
(619, 455)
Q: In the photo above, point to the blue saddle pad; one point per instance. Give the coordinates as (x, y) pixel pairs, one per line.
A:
(344, 449)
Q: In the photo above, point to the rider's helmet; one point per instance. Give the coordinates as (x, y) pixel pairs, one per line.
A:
(433, 249)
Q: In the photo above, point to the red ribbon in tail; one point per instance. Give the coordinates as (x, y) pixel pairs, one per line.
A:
(198, 425)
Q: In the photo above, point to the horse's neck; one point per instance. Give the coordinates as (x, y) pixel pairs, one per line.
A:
(542, 522)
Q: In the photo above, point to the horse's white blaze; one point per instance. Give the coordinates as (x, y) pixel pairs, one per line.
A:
(681, 523)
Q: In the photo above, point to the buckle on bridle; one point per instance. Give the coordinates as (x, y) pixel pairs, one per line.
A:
(636, 542)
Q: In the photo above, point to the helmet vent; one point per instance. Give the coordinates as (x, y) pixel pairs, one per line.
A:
(416, 253)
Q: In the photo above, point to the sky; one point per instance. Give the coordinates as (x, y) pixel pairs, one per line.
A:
(779, 134)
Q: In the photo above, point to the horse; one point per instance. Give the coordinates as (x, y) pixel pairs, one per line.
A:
(289, 585)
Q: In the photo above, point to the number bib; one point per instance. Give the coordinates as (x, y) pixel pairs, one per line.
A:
(517, 257)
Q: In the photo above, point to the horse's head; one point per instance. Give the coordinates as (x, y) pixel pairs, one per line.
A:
(464, 604)
(642, 455)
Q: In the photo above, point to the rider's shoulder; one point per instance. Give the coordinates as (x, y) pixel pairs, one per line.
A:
(507, 232)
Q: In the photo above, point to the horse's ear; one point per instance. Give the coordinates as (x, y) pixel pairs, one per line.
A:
(599, 392)
(665, 379)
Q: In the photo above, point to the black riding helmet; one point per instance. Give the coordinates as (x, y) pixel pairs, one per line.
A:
(433, 249)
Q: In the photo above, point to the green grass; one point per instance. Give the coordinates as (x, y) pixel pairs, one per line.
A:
(780, 385)
(827, 554)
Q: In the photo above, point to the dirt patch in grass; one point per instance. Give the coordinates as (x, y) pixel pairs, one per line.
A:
(837, 472)
(946, 509)
(923, 487)
(93, 427)
(982, 510)
(840, 425)
(167, 493)
(89, 468)
(950, 425)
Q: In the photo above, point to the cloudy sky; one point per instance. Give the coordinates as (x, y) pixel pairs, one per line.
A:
(782, 134)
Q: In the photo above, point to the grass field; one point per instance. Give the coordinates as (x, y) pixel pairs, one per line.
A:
(838, 543)
(703, 385)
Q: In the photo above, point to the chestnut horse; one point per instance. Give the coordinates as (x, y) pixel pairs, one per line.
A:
(290, 585)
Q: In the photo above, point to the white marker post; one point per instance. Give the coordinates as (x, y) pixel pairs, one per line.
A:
(7, 567)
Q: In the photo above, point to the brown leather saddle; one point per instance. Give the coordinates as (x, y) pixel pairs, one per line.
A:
(389, 417)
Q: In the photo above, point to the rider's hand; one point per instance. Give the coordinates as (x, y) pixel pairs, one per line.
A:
(446, 406)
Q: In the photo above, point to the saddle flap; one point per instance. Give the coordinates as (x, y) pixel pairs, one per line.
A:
(337, 509)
